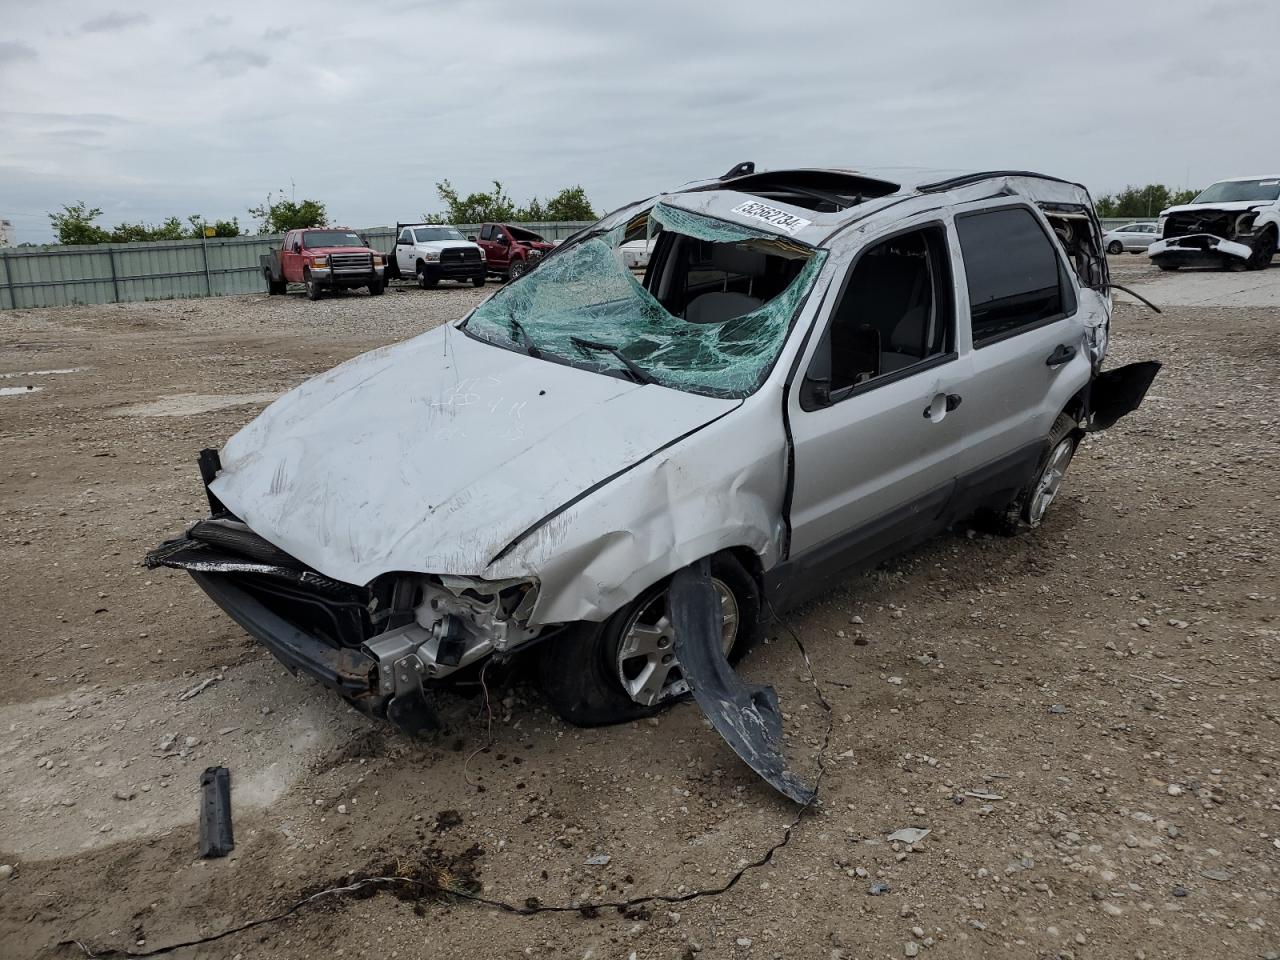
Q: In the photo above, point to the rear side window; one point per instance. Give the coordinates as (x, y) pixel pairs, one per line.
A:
(1013, 273)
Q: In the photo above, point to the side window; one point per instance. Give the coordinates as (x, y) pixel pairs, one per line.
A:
(405, 237)
(486, 233)
(895, 312)
(1014, 277)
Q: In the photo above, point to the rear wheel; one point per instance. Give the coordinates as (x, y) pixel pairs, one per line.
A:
(1037, 498)
(1115, 246)
(376, 288)
(625, 668)
(1169, 266)
(1031, 504)
(313, 288)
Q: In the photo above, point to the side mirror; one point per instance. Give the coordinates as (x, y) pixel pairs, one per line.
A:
(502, 240)
(472, 239)
(297, 246)
(816, 392)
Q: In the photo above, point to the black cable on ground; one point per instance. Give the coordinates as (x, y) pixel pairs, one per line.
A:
(530, 907)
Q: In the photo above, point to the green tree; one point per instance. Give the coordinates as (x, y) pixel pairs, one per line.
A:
(221, 228)
(74, 224)
(277, 216)
(495, 207)
(571, 203)
(1145, 201)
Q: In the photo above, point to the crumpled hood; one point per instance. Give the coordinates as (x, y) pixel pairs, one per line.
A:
(433, 454)
(1230, 206)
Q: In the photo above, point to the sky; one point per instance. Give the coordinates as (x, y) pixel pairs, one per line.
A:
(150, 109)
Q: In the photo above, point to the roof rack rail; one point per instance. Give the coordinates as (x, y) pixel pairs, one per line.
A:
(968, 179)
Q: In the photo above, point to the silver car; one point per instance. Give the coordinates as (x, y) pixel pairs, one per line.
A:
(817, 369)
(1133, 237)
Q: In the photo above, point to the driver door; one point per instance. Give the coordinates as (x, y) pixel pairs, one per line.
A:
(879, 421)
(405, 251)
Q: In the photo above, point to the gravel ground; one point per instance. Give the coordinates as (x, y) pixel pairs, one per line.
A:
(1085, 717)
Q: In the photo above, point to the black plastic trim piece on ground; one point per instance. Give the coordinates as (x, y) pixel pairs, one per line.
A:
(216, 838)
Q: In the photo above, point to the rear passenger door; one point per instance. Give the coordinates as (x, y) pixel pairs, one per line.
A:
(1026, 338)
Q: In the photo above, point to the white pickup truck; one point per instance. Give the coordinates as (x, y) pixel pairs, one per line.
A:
(1233, 224)
(433, 252)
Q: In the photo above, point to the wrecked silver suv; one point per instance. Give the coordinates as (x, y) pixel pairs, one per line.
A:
(817, 369)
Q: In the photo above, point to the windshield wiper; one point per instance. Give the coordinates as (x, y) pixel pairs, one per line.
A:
(637, 374)
(530, 347)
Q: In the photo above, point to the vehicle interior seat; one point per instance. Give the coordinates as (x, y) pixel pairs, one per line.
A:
(737, 264)
(882, 322)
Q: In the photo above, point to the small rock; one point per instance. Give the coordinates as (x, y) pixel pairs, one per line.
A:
(1058, 708)
(192, 742)
(167, 743)
(1180, 891)
(125, 794)
(911, 949)
(1213, 873)
(1175, 790)
(878, 889)
(744, 941)
(6, 871)
(265, 711)
(855, 619)
(342, 808)
(598, 860)
(896, 681)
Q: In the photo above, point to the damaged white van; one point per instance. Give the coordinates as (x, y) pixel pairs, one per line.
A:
(818, 368)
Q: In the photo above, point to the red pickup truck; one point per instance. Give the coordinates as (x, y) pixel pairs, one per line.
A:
(510, 251)
(324, 258)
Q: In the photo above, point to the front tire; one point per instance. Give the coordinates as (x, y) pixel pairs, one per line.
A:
(424, 281)
(585, 671)
(376, 288)
(1115, 246)
(1263, 251)
(313, 288)
(517, 270)
(1169, 267)
(477, 281)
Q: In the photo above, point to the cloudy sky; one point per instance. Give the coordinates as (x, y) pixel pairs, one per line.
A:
(150, 109)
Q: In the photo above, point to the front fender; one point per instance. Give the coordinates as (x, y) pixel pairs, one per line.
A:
(722, 487)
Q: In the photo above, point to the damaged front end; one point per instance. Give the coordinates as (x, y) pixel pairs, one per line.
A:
(1231, 224)
(379, 646)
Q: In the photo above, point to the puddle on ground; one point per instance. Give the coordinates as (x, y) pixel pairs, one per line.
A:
(14, 391)
(40, 373)
(190, 404)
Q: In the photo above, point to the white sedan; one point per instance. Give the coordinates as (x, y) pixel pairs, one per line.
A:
(1134, 237)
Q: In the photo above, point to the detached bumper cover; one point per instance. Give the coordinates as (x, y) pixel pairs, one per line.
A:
(1198, 248)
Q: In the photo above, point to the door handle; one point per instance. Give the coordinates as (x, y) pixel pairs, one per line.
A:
(1061, 354)
(950, 402)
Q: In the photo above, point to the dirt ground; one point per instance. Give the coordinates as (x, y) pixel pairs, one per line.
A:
(1086, 717)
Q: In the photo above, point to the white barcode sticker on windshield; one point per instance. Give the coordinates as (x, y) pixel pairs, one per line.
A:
(772, 216)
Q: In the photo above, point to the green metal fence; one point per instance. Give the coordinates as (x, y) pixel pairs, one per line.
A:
(55, 276)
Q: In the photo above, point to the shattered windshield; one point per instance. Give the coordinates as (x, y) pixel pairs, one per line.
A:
(1229, 191)
(709, 315)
